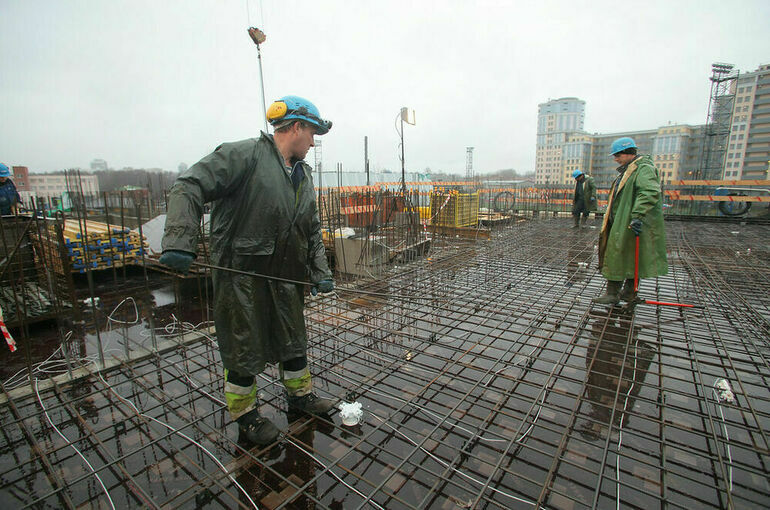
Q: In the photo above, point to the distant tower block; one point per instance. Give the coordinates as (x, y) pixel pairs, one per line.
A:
(469, 163)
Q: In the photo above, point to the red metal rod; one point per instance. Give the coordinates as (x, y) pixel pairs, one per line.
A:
(636, 266)
(663, 303)
(636, 283)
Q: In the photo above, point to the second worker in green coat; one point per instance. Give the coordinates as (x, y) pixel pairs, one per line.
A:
(264, 220)
(634, 209)
(584, 200)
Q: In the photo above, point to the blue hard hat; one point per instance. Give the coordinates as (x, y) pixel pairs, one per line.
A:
(576, 174)
(622, 144)
(4, 171)
(295, 107)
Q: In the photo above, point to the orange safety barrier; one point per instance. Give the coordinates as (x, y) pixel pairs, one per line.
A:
(676, 195)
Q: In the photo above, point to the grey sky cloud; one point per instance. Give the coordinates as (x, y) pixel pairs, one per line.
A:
(151, 84)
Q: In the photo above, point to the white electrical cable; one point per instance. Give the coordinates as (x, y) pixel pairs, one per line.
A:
(286, 438)
(92, 359)
(718, 402)
(183, 435)
(620, 430)
(93, 471)
(435, 415)
(447, 465)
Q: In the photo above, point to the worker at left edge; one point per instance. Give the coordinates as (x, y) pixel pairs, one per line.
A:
(9, 196)
(264, 220)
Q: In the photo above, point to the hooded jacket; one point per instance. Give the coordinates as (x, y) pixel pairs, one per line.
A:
(636, 194)
(589, 196)
(261, 224)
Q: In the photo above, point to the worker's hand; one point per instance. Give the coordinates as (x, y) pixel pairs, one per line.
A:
(324, 287)
(636, 226)
(177, 259)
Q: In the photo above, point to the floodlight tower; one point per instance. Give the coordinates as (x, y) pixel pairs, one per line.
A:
(718, 121)
(469, 164)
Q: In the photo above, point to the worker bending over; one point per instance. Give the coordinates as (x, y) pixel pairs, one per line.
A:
(264, 220)
(635, 208)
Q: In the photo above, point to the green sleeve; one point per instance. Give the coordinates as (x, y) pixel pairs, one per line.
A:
(215, 176)
(647, 191)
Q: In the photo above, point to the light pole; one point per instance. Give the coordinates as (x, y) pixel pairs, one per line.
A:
(404, 115)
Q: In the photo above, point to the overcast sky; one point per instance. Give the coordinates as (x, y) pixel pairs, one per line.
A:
(155, 83)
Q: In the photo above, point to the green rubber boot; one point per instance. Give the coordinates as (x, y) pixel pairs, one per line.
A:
(628, 294)
(611, 296)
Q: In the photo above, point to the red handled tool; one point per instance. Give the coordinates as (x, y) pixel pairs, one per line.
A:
(636, 285)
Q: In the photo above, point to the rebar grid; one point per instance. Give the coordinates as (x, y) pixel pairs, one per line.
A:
(488, 380)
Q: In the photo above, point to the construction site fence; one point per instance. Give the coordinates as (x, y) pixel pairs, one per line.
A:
(681, 197)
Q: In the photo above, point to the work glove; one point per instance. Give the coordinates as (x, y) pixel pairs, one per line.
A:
(177, 259)
(636, 226)
(324, 287)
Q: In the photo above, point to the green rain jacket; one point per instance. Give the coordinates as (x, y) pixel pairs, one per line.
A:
(259, 224)
(589, 196)
(639, 196)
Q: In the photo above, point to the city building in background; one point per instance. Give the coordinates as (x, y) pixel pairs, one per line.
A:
(741, 107)
(558, 121)
(53, 185)
(20, 177)
(748, 152)
(99, 164)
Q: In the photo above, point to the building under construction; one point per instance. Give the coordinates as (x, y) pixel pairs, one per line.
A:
(462, 324)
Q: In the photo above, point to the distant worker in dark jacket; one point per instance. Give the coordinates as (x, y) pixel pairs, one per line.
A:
(634, 209)
(264, 220)
(9, 197)
(584, 200)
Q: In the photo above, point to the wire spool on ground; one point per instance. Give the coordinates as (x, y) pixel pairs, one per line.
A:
(504, 201)
(734, 208)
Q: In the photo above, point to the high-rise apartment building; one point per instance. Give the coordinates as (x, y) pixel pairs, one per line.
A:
(563, 146)
(748, 150)
(674, 148)
(557, 121)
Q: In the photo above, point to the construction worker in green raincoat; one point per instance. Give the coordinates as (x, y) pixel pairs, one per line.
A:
(264, 220)
(584, 199)
(635, 208)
